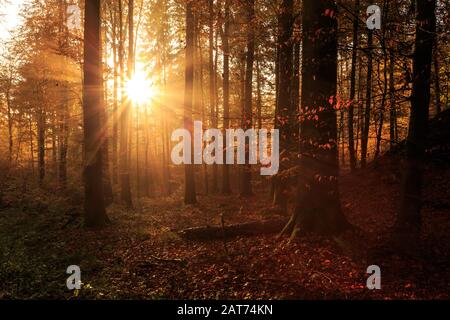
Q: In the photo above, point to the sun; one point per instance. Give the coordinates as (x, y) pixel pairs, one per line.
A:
(139, 89)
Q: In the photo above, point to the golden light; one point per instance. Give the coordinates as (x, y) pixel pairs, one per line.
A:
(139, 89)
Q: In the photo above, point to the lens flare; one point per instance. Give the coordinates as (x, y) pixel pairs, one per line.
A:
(139, 89)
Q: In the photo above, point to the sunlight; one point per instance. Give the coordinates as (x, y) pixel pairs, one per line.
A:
(139, 89)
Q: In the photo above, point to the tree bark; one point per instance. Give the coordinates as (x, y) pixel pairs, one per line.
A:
(212, 82)
(10, 123)
(392, 109)
(226, 188)
(351, 108)
(115, 133)
(41, 124)
(247, 119)
(94, 207)
(366, 127)
(437, 86)
(189, 190)
(318, 207)
(286, 113)
(409, 220)
(125, 188)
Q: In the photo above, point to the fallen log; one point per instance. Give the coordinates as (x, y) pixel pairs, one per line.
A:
(234, 230)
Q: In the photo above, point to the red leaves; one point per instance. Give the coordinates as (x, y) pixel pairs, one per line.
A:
(329, 13)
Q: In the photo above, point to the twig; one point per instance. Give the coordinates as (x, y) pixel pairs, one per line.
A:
(224, 238)
(168, 260)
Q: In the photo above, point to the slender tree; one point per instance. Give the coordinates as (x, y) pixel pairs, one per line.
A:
(351, 108)
(226, 188)
(246, 189)
(125, 188)
(189, 190)
(366, 127)
(115, 133)
(437, 85)
(212, 83)
(392, 108)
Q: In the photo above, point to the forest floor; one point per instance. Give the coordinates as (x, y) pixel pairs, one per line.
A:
(140, 256)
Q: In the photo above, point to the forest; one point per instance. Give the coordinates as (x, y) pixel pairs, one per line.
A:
(224, 149)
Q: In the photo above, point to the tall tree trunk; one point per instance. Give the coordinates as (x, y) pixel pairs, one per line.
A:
(148, 179)
(385, 82)
(392, 110)
(189, 190)
(437, 87)
(138, 167)
(107, 187)
(115, 133)
(318, 207)
(296, 80)
(258, 92)
(63, 142)
(202, 107)
(30, 126)
(286, 113)
(125, 188)
(63, 130)
(359, 120)
(212, 80)
(366, 128)
(409, 219)
(226, 188)
(54, 119)
(10, 125)
(351, 108)
(247, 121)
(41, 144)
(94, 207)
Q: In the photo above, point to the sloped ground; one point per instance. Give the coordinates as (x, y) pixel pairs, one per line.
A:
(140, 257)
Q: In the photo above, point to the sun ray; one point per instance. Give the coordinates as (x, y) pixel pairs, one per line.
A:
(139, 89)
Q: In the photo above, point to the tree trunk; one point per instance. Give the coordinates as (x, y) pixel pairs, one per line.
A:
(258, 91)
(148, 177)
(247, 119)
(385, 84)
(409, 220)
(107, 187)
(30, 125)
(226, 188)
(203, 111)
(351, 108)
(212, 80)
(318, 208)
(392, 111)
(10, 125)
(189, 191)
(94, 207)
(437, 87)
(138, 167)
(63, 142)
(125, 189)
(41, 145)
(286, 113)
(54, 119)
(366, 127)
(296, 80)
(115, 133)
